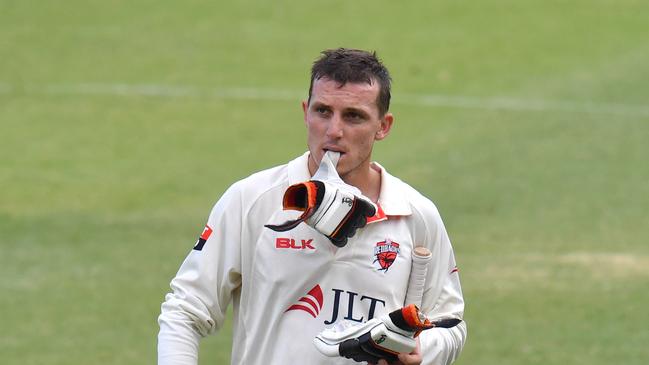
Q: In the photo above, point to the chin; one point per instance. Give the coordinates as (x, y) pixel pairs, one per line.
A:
(342, 170)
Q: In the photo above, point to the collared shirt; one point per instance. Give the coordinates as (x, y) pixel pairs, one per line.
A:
(287, 286)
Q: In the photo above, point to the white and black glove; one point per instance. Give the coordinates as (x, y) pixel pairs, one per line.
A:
(331, 210)
(327, 203)
(378, 338)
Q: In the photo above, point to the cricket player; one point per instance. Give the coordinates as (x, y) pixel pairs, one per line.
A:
(288, 286)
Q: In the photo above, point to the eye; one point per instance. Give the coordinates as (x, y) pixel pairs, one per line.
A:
(322, 110)
(354, 116)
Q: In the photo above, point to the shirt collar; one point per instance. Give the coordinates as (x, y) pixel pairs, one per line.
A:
(392, 199)
(298, 169)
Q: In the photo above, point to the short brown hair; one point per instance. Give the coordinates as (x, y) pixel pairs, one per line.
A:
(345, 65)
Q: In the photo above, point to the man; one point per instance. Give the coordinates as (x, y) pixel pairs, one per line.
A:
(288, 286)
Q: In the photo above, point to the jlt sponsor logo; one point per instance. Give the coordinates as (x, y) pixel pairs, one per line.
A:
(311, 303)
(294, 244)
(351, 299)
(346, 305)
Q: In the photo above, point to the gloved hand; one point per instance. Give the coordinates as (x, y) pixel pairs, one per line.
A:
(330, 209)
(378, 338)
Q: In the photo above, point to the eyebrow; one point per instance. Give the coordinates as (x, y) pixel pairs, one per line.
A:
(356, 110)
(319, 104)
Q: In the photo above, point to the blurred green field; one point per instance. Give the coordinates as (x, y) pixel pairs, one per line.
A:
(122, 122)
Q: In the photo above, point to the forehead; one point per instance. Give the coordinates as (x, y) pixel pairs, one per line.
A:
(351, 94)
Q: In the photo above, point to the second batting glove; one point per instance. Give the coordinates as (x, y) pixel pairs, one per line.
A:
(378, 338)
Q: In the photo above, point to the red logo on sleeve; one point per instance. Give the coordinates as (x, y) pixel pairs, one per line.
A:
(207, 232)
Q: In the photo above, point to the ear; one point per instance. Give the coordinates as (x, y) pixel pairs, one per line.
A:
(386, 126)
(305, 108)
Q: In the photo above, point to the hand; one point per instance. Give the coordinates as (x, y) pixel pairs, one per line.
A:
(392, 338)
(413, 358)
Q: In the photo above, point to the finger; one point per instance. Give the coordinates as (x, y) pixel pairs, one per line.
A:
(413, 358)
(410, 359)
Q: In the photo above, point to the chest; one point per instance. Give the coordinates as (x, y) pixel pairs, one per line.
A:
(301, 268)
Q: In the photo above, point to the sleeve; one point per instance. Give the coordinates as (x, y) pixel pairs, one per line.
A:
(442, 296)
(203, 286)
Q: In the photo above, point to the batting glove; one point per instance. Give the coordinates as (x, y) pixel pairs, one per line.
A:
(331, 210)
(378, 338)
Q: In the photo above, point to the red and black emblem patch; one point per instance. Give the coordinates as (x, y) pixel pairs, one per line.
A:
(385, 253)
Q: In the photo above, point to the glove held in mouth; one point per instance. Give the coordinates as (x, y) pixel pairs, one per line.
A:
(332, 211)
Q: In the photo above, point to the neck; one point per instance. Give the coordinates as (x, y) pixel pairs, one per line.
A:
(368, 182)
(366, 178)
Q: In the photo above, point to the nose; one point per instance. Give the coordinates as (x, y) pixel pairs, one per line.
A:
(335, 127)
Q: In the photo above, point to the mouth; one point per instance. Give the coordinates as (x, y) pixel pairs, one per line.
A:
(333, 149)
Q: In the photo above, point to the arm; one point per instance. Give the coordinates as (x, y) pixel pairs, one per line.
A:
(443, 345)
(203, 286)
(442, 296)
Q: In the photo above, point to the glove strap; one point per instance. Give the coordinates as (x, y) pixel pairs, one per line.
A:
(410, 318)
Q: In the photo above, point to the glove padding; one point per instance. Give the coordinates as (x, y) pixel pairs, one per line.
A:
(332, 211)
(378, 338)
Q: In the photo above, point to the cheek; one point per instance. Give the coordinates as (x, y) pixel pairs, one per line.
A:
(364, 141)
(315, 132)
(312, 128)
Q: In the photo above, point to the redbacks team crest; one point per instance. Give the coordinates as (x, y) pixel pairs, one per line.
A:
(385, 252)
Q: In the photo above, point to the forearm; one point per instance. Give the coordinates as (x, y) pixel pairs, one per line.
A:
(178, 341)
(441, 346)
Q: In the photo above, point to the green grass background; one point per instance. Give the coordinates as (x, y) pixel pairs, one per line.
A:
(116, 138)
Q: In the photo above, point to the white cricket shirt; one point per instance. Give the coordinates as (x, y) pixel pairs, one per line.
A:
(287, 286)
